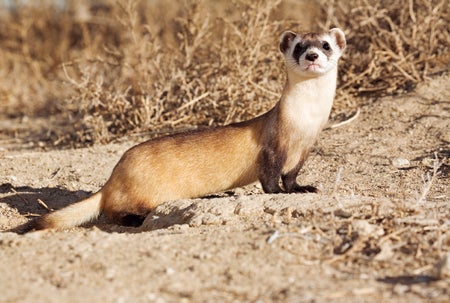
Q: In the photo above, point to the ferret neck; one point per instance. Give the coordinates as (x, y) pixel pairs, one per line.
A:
(322, 86)
(309, 97)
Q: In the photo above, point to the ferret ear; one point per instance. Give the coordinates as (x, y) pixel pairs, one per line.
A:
(339, 37)
(285, 40)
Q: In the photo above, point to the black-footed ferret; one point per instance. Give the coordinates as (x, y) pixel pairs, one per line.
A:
(269, 147)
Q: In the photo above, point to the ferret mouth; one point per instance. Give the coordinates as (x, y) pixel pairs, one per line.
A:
(313, 67)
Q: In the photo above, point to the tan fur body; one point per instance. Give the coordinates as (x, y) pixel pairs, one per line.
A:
(183, 166)
(267, 148)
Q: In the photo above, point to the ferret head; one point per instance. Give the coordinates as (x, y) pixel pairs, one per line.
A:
(312, 55)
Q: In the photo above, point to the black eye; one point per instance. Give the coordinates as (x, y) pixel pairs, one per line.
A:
(326, 46)
(298, 51)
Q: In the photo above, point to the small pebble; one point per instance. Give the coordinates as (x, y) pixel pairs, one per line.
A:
(401, 163)
(401, 289)
(342, 213)
(365, 228)
(170, 271)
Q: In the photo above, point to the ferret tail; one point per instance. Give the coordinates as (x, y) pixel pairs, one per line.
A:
(70, 216)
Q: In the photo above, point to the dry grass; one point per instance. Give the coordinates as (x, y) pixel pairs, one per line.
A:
(131, 67)
(394, 44)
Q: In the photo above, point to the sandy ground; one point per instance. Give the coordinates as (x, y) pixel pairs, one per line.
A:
(374, 234)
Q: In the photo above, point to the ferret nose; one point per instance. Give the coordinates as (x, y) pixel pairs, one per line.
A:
(312, 57)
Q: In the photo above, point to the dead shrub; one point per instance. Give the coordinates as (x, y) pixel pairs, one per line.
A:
(113, 68)
(216, 71)
(393, 45)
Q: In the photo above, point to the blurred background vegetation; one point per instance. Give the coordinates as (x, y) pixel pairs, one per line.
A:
(99, 70)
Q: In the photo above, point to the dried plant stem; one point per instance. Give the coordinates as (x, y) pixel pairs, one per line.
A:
(428, 180)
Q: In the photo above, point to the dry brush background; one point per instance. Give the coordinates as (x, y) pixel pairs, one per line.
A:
(98, 70)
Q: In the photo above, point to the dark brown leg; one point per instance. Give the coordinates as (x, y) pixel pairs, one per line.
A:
(290, 181)
(270, 171)
(291, 186)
